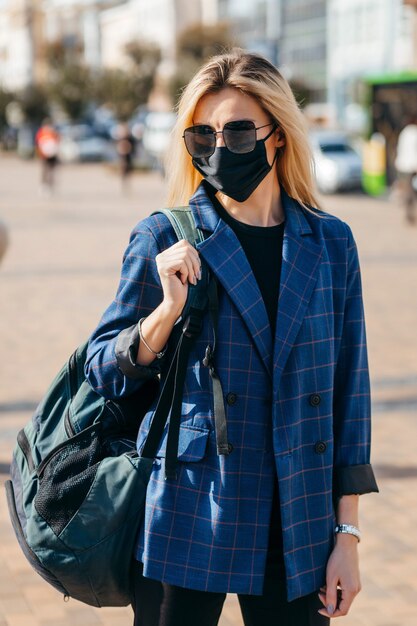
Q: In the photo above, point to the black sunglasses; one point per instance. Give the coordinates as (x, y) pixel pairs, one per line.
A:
(238, 137)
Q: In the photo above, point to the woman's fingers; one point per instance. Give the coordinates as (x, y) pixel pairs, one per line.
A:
(344, 601)
(178, 265)
(191, 275)
(331, 596)
(181, 258)
(194, 258)
(322, 596)
(183, 244)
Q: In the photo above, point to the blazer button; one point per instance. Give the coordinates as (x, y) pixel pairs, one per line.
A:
(315, 399)
(320, 447)
(231, 398)
(230, 447)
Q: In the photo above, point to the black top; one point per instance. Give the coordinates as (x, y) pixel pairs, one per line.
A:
(263, 248)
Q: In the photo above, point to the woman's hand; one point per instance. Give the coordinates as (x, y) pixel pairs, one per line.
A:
(177, 266)
(342, 577)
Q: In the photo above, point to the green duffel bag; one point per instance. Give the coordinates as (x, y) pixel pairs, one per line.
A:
(75, 498)
(77, 487)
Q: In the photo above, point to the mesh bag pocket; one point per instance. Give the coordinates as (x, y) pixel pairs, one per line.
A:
(66, 476)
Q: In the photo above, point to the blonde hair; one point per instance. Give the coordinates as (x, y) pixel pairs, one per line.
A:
(255, 76)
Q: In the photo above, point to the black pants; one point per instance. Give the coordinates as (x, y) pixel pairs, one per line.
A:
(159, 604)
(409, 197)
(48, 171)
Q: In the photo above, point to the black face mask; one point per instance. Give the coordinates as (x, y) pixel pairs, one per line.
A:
(236, 175)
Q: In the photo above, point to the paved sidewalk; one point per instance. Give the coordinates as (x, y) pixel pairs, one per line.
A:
(59, 274)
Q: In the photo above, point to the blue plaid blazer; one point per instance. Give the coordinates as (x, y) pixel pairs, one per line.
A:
(298, 404)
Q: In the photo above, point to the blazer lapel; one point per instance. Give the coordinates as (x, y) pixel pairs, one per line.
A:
(301, 257)
(225, 256)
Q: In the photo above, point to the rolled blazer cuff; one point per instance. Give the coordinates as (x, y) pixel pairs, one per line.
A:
(126, 350)
(354, 479)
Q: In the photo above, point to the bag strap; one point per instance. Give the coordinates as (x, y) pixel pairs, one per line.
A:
(182, 221)
(222, 443)
(170, 399)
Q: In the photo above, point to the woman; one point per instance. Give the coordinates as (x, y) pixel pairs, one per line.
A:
(125, 147)
(291, 357)
(47, 143)
(406, 165)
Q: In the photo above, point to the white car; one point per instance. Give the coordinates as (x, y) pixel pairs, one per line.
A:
(79, 142)
(337, 164)
(156, 134)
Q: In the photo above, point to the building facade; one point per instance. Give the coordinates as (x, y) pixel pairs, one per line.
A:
(365, 38)
(292, 35)
(413, 5)
(159, 21)
(21, 39)
(27, 26)
(256, 24)
(303, 45)
(100, 29)
(77, 23)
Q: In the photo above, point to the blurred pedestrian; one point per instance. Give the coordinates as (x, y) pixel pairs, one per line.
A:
(406, 165)
(125, 146)
(272, 513)
(47, 145)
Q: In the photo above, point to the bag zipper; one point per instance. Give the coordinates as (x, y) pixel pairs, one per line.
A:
(58, 448)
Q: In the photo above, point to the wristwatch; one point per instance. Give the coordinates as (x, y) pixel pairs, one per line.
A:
(348, 529)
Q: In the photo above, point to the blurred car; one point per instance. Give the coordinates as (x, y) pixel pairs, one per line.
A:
(8, 138)
(156, 134)
(337, 164)
(80, 142)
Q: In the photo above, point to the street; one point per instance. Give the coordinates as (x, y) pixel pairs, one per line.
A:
(61, 271)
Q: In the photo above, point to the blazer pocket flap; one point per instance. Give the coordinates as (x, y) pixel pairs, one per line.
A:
(192, 443)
